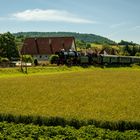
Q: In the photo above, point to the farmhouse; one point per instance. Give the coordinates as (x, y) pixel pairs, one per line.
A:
(109, 51)
(42, 47)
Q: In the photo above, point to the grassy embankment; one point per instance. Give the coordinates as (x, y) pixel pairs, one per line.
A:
(14, 72)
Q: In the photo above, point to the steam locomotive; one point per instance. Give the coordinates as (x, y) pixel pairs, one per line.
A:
(77, 58)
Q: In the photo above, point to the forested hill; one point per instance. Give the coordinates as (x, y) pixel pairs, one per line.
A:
(89, 38)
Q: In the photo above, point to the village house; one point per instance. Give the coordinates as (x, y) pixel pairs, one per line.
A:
(40, 48)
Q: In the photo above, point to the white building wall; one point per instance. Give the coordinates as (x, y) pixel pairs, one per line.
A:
(73, 47)
(40, 57)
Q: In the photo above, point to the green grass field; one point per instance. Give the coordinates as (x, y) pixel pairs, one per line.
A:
(101, 94)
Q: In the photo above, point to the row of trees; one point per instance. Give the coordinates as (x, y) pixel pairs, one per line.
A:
(131, 50)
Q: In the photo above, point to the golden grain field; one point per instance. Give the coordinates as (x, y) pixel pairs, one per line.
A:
(97, 94)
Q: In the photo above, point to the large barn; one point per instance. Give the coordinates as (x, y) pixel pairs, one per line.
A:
(42, 47)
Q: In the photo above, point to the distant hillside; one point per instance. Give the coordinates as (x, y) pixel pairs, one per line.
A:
(89, 38)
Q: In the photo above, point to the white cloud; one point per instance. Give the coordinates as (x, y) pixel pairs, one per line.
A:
(49, 15)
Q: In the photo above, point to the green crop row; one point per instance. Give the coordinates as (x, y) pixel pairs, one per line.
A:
(58, 121)
(11, 131)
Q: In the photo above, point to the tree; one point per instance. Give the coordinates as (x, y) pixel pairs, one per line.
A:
(80, 44)
(126, 43)
(127, 50)
(88, 46)
(8, 47)
(130, 50)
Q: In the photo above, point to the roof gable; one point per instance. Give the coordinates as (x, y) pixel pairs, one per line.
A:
(46, 45)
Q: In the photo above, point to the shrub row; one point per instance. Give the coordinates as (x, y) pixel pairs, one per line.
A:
(59, 121)
(13, 131)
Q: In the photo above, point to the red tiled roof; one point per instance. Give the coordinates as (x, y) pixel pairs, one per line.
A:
(46, 45)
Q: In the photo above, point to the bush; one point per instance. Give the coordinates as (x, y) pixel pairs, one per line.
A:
(137, 54)
(21, 131)
(4, 59)
(27, 58)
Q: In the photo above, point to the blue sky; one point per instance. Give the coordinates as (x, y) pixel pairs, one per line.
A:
(115, 19)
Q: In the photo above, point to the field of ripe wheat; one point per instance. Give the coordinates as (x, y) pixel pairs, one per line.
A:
(108, 94)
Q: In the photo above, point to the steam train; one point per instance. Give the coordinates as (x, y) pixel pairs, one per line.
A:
(77, 58)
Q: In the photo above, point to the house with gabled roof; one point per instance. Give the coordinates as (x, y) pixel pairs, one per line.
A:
(42, 47)
(109, 51)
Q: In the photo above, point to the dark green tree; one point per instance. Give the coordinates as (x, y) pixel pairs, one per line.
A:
(126, 43)
(130, 50)
(88, 45)
(127, 50)
(80, 44)
(8, 47)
